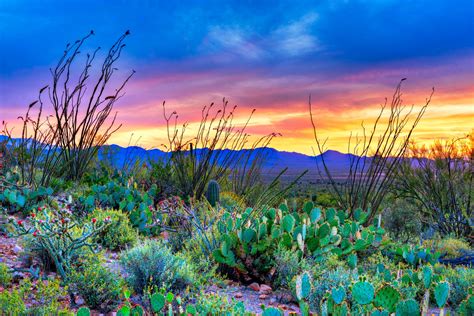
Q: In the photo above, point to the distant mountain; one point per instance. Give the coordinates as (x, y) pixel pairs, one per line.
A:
(276, 160)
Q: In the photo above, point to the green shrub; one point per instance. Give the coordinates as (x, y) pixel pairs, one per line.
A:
(326, 281)
(119, 234)
(42, 295)
(99, 287)
(231, 202)
(11, 303)
(153, 265)
(288, 266)
(402, 220)
(46, 293)
(5, 275)
(450, 247)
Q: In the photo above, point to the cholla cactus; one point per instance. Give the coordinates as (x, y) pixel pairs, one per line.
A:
(56, 233)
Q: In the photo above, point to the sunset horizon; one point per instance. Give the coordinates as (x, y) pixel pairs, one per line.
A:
(270, 62)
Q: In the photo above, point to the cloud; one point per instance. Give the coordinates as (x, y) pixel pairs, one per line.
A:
(295, 38)
(233, 40)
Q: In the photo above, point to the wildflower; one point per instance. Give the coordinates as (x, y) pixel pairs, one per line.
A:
(94, 220)
(107, 219)
(33, 215)
(20, 222)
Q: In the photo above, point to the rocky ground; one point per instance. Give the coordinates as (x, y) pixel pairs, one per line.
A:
(253, 296)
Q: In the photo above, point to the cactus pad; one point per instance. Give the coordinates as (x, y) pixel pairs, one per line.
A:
(363, 292)
(441, 293)
(387, 297)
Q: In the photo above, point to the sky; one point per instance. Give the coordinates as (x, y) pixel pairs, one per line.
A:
(263, 55)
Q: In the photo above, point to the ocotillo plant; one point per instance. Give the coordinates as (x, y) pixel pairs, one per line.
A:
(57, 234)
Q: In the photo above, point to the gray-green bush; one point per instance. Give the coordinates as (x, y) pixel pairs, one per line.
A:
(151, 264)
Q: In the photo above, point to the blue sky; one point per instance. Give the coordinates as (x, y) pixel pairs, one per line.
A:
(283, 46)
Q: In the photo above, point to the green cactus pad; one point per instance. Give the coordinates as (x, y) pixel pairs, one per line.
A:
(288, 223)
(138, 311)
(272, 311)
(341, 309)
(303, 286)
(83, 311)
(352, 260)
(387, 297)
(315, 215)
(338, 294)
(427, 276)
(157, 301)
(363, 292)
(379, 313)
(408, 308)
(441, 293)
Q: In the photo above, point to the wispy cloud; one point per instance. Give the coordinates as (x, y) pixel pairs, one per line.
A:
(297, 38)
(233, 40)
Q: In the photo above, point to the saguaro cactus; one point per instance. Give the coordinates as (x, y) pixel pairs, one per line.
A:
(213, 191)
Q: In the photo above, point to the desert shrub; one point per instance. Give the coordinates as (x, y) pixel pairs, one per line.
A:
(449, 247)
(119, 234)
(214, 304)
(288, 266)
(11, 303)
(205, 269)
(5, 275)
(151, 264)
(327, 280)
(402, 220)
(231, 202)
(99, 287)
(46, 295)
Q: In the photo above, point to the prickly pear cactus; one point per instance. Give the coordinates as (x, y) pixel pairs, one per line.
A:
(352, 260)
(467, 306)
(272, 311)
(338, 294)
(303, 286)
(379, 313)
(407, 308)
(157, 301)
(363, 292)
(83, 311)
(213, 191)
(341, 309)
(441, 293)
(387, 297)
(427, 276)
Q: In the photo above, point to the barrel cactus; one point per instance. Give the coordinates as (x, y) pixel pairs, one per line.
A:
(213, 191)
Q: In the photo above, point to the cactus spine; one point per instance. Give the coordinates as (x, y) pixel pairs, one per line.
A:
(213, 191)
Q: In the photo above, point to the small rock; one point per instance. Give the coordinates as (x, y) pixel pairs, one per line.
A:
(238, 295)
(265, 289)
(285, 298)
(254, 286)
(78, 300)
(17, 249)
(263, 296)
